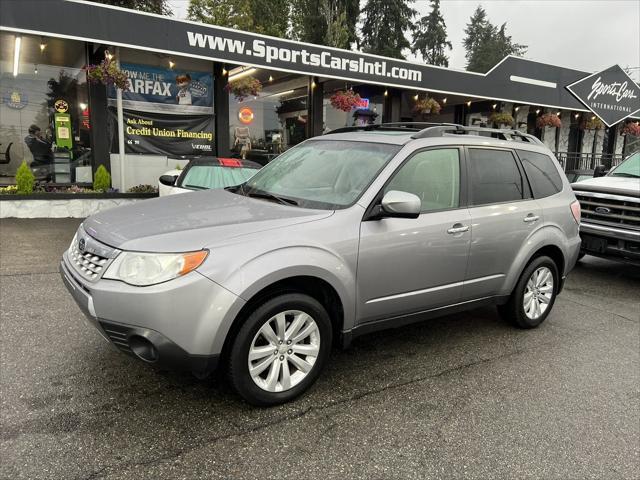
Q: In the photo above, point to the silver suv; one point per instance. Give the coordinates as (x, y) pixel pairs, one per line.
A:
(344, 234)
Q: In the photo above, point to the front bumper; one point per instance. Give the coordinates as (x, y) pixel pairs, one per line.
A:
(179, 325)
(611, 242)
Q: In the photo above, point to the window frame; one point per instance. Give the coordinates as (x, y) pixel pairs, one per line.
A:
(371, 214)
(526, 187)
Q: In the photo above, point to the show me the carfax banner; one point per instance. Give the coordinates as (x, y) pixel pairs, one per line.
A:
(158, 89)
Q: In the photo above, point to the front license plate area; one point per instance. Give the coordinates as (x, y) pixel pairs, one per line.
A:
(594, 244)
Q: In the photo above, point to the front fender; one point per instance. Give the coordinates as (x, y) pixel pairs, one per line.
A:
(272, 266)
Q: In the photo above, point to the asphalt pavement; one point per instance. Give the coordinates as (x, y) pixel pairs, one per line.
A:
(464, 396)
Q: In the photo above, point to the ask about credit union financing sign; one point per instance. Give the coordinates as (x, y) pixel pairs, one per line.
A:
(611, 94)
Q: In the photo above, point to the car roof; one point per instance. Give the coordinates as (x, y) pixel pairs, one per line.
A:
(397, 137)
(224, 162)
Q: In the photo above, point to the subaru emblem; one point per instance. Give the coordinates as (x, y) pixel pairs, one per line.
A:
(82, 245)
(603, 210)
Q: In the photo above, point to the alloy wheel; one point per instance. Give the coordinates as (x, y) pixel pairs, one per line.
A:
(284, 351)
(538, 293)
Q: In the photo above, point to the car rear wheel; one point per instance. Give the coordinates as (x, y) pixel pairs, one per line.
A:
(534, 295)
(280, 350)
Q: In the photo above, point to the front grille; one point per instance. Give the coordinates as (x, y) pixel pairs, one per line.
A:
(612, 210)
(118, 336)
(89, 265)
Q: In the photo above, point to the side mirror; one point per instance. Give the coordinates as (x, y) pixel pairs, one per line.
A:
(168, 180)
(599, 171)
(401, 204)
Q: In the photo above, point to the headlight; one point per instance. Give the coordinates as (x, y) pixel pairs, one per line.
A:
(141, 269)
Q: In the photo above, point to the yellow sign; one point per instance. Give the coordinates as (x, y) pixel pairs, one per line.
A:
(61, 106)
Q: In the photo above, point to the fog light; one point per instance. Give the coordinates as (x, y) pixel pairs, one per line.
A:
(143, 348)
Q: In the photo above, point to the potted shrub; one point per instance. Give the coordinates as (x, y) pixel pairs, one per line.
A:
(25, 179)
(548, 120)
(101, 180)
(107, 73)
(631, 128)
(502, 119)
(244, 87)
(426, 106)
(592, 124)
(345, 100)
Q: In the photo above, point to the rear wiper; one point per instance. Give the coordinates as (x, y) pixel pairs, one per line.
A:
(271, 196)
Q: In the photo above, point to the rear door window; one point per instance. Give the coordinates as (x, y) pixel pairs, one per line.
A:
(541, 172)
(495, 177)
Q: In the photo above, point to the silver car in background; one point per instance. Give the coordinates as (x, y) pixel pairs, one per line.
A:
(344, 234)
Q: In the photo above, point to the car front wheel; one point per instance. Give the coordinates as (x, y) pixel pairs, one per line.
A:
(280, 350)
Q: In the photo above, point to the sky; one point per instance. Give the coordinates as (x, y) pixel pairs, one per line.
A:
(588, 35)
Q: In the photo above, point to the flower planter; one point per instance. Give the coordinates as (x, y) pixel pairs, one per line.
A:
(61, 205)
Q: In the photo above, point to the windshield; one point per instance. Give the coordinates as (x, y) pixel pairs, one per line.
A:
(204, 177)
(629, 168)
(327, 174)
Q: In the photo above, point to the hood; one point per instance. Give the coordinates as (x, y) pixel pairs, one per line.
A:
(615, 185)
(192, 221)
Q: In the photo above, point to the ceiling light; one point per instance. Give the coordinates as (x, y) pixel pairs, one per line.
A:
(469, 103)
(517, 108)
(286, 92)
(241, 73)
(444, 100)
(83, 106)
(558, 113)
(16, 56)
(538, 110)
(42, 46)
(593, 118)
(494, 106)
(224, 71)
(576, 115)
(415, 97)
(271, 78)
(171, 64)
(386, 92)
(108, 55)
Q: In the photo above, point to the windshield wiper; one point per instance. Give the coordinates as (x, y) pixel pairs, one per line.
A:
(624, 174)
(271, 196)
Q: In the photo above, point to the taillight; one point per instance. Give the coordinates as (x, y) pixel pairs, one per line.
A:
(575, 211)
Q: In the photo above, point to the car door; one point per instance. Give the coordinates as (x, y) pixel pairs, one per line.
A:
(503, 215)
(408, 265)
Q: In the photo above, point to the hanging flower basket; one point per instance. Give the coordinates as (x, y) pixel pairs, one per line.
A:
(548, 120)
(107, 73)
(631, 128)
(244, 87)
(592, 124)
(501, 118)
(345, 100)
(426, 106)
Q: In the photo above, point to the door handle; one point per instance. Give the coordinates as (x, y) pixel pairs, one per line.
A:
(458, 228)
(531, 218)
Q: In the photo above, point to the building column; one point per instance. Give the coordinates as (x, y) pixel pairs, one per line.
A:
(392, 106)
(221, 111)
(99, 114)
(315, 92)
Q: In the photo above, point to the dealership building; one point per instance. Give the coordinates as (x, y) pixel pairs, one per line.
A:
(196, 89)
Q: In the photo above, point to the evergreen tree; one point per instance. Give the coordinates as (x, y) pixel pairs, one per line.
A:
(258, 16)
(487, 44)
(384, 26)
(430, 37)
(152, 6)
(325, 22)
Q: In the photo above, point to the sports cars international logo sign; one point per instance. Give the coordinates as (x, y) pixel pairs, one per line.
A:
(611, 94)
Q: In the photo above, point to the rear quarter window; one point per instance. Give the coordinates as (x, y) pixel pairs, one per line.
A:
(542, 173)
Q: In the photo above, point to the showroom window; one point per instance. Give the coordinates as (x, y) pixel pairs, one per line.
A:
(267, 112)
(367, 111)
(44, 114)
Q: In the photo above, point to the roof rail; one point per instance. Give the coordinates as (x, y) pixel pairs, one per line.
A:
(442, 130)
(392, 126)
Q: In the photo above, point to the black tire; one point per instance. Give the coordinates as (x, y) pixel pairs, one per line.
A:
(513, 311)
(238, 368)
